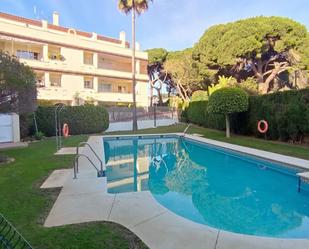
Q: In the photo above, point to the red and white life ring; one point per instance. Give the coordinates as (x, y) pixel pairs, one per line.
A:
(65, 130)
(263, 129)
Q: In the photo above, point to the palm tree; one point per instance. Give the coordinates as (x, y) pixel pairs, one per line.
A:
(134, 6)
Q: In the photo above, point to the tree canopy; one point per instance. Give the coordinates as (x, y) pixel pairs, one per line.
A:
(17, 86)
(183, 71)
(157, 55)
(263, 46)
(262, 54)
(140, 6)
(157, 75)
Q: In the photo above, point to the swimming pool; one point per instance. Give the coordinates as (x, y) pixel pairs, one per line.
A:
(213, 186)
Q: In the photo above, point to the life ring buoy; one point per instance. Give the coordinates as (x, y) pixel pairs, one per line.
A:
(263, 129)
(65, 130)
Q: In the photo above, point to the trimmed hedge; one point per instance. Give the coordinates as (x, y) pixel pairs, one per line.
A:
(197, 113)
(228, 101)
(86, 119)
(287, 114)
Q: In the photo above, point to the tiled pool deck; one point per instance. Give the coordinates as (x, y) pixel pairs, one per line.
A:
(86, 199)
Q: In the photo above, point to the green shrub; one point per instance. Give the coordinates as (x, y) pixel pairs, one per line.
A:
(86, 119)
(223, 82)
(249, 85)
(199, 95)
(39, 135)
(197, 113)
(25, 122)
(228, 101)
(287, 114)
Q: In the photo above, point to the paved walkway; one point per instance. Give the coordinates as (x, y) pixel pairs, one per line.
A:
(142, 124)
(13, 145)
(66, 151)
(86, 199)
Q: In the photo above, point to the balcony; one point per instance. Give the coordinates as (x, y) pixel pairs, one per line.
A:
(113, 97)
(64, 67)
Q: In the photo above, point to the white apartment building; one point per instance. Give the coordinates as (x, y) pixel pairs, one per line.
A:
(73, 66)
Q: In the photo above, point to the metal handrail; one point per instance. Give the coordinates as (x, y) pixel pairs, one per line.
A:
(187, 128)
(99, 172)
(10, 237)
(77, 153)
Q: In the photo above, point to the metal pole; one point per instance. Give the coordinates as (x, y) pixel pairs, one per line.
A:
(56, 126)
(74, 166)
(59, 126)
(134, 123)
(155, 114)
(77, 153)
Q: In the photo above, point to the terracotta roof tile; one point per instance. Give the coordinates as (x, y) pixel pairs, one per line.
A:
(58, 28)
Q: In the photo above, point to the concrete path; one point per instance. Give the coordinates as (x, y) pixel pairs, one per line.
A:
(57, 178)
(142, 124)
(86, 199)
(66, 151)
(13, 145)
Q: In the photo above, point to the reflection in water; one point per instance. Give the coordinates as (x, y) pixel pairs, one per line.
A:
(224, 190)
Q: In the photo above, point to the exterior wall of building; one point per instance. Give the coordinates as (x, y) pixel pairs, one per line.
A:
(73, 65)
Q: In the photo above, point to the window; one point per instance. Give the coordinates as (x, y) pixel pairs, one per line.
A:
(40, 80)
(54, 53)
(55, 79)
(88, 58)
(104, 87)
(27, 55)
(122, 89)
(88, 83)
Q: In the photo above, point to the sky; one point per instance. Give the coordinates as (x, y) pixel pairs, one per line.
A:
(170, 24)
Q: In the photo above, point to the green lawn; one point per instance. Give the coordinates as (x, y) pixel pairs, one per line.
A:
(300, 151)
(27, 206)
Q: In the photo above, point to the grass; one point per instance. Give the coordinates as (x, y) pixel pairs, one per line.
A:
(300, 151)
(27, 206)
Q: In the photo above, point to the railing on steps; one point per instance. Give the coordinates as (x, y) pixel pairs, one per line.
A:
(10, 238)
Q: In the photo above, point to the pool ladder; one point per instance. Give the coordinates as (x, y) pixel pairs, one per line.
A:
(100, 171)
(185, 131)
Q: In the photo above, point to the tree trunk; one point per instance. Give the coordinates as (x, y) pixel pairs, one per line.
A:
(151, 95)
(227, 123)
(133, 70)
(160, 101)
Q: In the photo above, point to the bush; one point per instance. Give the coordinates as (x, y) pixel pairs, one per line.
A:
(250, 85)
(228, 101)
(87, 119)
(25, 124)
(223, 82)
(199, 95)
(197, 113)
(287, 114)
(38, 135)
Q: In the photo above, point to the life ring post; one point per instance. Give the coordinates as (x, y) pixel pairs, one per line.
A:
(262, 127)
(65, 130)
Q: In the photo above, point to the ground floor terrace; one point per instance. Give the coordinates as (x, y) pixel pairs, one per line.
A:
(79, 214)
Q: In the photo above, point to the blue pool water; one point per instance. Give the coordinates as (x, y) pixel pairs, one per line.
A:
(210, 185)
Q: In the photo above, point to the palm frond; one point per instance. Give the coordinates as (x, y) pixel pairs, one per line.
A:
(140, 6)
